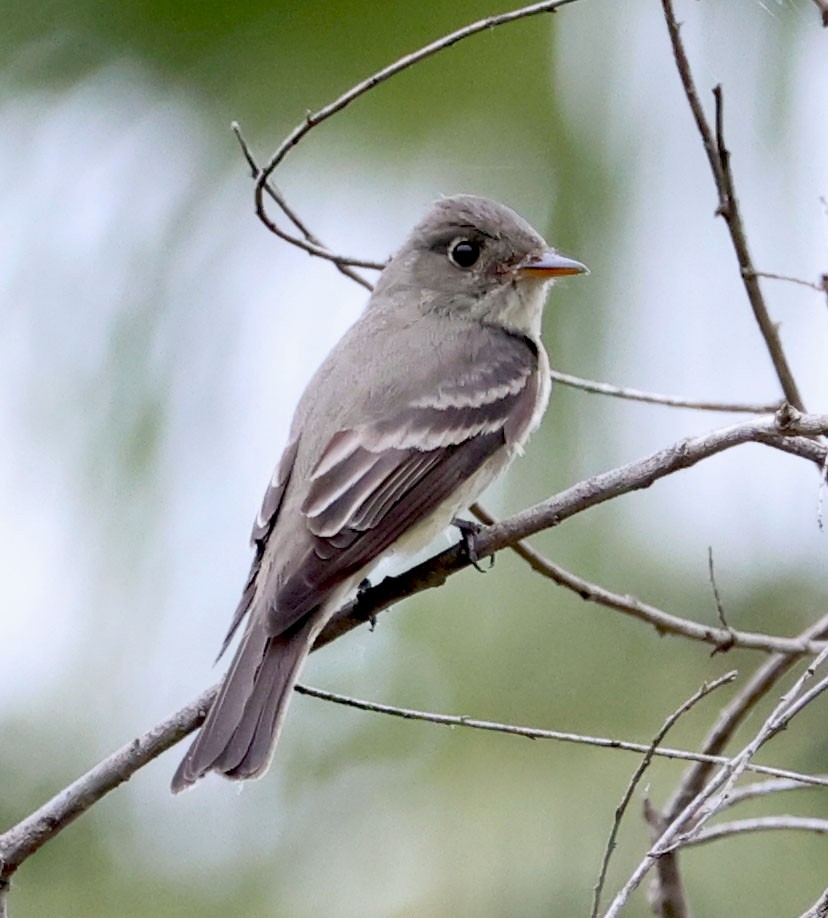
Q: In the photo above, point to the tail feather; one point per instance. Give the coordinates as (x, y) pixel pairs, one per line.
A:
(240, 732)
(250, 749)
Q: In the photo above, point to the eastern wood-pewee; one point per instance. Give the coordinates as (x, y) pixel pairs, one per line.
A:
(420, 406)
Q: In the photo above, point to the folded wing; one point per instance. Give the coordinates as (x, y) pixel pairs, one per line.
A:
(377, 480)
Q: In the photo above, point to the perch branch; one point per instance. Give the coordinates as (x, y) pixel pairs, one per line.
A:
(23, 839)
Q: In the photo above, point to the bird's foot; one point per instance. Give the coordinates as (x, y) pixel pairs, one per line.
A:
(362, 589)
(468, 532)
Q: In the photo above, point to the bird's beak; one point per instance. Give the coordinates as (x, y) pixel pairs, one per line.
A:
(550, 264)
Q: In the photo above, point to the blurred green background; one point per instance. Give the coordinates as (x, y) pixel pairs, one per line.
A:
(154, 339)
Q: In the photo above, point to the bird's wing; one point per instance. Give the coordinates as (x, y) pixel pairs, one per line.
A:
(263, 526)
(376, 480)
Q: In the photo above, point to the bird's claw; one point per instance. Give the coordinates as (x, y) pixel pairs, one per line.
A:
(362, 589)
(468, 532)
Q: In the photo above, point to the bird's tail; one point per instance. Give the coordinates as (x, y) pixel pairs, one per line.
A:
(240, 732)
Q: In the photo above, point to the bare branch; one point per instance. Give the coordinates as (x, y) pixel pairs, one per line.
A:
(760, 824)
(536, 733)
(722, 639)
(312, 119)
(719, 159)
(28, 836)
(802, 447)
(643, 765)
(717, 598)
(710, 799)
(761, 789)
(734, 715)
(654, 398)
(310, 243)
(586, 494)
(315, 118)
(802, 702)
(814, 285)
(820, 908)
(666, 895)
(707, 802)
(24, 839)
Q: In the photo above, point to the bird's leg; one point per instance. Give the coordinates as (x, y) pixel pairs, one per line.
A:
(362, 589)
(468, 533)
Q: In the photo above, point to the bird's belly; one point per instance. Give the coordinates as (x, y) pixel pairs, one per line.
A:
(439, 519)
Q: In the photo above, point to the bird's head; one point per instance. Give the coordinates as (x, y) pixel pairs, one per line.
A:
(473, 258)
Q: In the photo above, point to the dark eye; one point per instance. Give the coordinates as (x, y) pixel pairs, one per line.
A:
(463, 253)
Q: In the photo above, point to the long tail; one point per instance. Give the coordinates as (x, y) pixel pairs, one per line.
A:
(240, 733)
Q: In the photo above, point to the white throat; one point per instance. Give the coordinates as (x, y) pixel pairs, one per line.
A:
(524, 307)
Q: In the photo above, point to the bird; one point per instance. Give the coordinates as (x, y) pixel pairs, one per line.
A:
(423, 402)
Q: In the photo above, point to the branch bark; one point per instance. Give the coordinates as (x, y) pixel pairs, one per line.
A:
(722, 639)
(28, 836)
(772, 430)
(710, 798)
(313, 119)
(719, 157)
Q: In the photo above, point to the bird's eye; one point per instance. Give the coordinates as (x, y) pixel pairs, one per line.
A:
(463, 252)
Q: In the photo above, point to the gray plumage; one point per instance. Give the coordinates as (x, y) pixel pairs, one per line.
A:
(419, 407)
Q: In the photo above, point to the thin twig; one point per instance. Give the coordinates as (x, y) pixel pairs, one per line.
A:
(315, 118)
(716, 597)
(719, 159)
(819, 287)
(655, 398)
(19, 842)
(536, 733)
(721, 639)
(643, 765)
(310, 243)
(705, 804)
(823, 483)
(802, 702)
(732, 717)
(708, 801)
(760, 824)
(761, 789)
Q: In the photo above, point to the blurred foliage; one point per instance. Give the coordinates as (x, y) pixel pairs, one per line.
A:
(361, 815)
(269, 62)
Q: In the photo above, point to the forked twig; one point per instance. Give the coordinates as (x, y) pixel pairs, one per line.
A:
(719, 158)
(22, 840)
(638, 774)
(705, 804)
(309, 242)
(721, 639)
